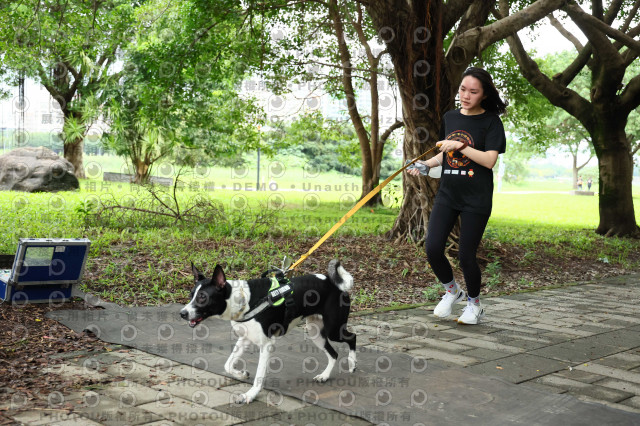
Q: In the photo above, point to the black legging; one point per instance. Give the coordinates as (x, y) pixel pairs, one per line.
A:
(472, 227)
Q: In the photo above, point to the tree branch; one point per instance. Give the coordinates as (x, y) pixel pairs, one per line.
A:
(567, 34)
(634, 148)
(53, 91)
(556, 93)
(74, 87)
(373, 83)
(597, 9)
(632, 14)
(513, 23)
(349, 91)
(566, 77)
(588, 24)
(453, 11)
(586, 162)
(630, 96)
(363, 40)
(71, 69)
(629, 55)
(475, 15)
(391, 129)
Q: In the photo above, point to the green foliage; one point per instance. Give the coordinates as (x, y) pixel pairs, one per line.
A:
(301, 46)
(528, 110)
(325, 144)
(70, 48)
(633, 123)
(492, 273)
(183, 65)
(515, 159)
(185, 69)
(137, 131)
(364, 297)
(301, 50)
(563, 130)
(432, 292)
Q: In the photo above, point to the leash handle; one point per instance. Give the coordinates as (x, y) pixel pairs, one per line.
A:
(354, 209)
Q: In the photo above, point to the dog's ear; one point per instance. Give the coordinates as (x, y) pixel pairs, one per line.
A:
(218, 277)
(196, 274)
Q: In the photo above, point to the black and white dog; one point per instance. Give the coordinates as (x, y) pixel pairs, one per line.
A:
(322, 300)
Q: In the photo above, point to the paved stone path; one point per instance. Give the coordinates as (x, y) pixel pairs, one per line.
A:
(581, 340)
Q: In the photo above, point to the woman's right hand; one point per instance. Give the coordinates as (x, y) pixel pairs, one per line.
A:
(415, 171)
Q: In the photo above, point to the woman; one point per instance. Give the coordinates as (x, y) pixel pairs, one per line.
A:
(471, 139)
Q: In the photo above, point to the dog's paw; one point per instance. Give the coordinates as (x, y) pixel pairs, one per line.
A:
(320, 378)
(352, 362)
(242, 399)
(240, 374)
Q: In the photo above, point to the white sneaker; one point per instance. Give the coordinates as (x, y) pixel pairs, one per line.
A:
(443, 310)
(472, 314)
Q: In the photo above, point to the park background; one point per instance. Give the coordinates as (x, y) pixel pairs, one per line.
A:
(199, 90)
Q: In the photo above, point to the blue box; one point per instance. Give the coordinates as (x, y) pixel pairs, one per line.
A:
(44, 270)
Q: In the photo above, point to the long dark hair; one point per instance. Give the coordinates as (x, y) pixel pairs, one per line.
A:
(492, 102)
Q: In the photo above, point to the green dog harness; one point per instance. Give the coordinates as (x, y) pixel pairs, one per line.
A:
(280, 292)
(283, 291)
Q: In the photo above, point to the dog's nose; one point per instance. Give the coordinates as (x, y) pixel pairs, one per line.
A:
(184, 314)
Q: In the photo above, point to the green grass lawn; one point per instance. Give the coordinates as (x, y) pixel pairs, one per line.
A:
(284, 173)
(300, 202)
(544, 185)
(565, 210)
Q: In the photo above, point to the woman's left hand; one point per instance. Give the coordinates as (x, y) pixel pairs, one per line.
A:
(448, 146)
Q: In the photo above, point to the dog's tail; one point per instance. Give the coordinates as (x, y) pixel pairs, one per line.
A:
(339, 276)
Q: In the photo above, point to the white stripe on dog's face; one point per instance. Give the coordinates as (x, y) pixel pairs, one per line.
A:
(190, 308)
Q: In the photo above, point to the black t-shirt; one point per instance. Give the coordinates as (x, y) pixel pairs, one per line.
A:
(466, 185)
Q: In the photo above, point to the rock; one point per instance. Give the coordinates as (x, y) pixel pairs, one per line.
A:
(36, 170)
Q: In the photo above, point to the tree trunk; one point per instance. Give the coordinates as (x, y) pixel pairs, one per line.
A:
(142, 172)
(368, 185)
(575, 170)
(370, 178)
(615, 164)
(424, 82)
(73, 152)
(604, 115)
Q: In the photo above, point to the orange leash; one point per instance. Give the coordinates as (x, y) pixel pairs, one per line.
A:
(354, 209)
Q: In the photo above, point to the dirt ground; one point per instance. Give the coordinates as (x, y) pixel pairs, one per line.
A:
(398, 276)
